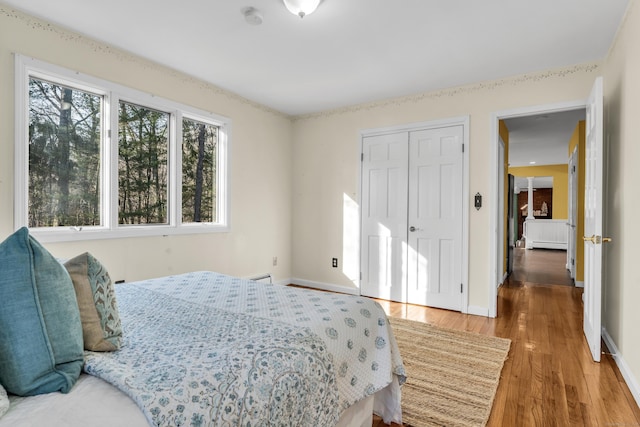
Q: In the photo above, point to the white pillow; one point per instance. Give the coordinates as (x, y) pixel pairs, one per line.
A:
(4, 401)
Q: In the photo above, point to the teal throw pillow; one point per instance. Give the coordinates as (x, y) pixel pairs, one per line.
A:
(41, 348)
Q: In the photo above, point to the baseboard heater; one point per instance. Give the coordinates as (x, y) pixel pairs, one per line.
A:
(265, 278)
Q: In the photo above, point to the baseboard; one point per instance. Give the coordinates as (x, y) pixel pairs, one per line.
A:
(478, 311)
(326, 286)
(579, 284)
(631, 381)
(472, 309)
(283, 282)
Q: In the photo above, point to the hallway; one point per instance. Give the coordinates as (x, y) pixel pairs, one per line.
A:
(540, 266)
(549, 377)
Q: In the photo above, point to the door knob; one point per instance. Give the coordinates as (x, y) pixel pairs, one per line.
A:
(597, 239)
(412, 229)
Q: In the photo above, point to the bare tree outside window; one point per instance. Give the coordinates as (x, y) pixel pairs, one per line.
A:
(199, 163)
(142, 165)
(95, 159)
(64, 155)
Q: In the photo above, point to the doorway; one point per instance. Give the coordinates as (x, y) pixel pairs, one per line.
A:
(497, 217)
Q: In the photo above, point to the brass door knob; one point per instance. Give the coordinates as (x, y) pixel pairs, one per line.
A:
(596, 240)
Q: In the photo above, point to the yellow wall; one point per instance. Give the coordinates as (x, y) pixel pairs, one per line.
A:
(578, 140)
(560, 176)
(504, 135)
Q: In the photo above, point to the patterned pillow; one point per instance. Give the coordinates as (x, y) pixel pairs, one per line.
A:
(4, 401)
(101, 328)
(40, 329)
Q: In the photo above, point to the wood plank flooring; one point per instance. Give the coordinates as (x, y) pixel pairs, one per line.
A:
(549, 378)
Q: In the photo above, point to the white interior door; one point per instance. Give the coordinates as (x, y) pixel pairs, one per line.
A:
(412, 217)
(593, 221)
(435, 217)
(384, 216)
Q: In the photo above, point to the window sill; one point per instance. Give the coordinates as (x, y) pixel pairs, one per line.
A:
(73, 234)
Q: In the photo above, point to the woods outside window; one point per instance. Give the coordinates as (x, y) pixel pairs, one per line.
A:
(98, 160)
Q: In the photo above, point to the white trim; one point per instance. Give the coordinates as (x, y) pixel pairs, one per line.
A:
(579, 284)
(325, 286)
(478, 311)
(625, 370)
(493, 152)
(112, 94)
(411, 127)
(500, 221)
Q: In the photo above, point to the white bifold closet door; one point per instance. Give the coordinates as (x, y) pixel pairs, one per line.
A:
(411, 248)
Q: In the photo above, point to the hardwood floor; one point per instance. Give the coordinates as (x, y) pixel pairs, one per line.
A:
(549, 378)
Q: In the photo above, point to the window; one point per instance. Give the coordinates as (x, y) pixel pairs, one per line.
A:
(97, 160)
(143, 154)
(64, 155)
(199, 159)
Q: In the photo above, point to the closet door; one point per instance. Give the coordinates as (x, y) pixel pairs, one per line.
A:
(384, 216)
(435, 217)
(411, 247)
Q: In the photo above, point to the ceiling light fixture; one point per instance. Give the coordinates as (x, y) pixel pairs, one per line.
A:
(301, 8)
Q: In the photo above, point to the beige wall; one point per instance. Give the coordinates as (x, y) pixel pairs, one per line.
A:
(260, 159)
(621, 284)
(326, 164)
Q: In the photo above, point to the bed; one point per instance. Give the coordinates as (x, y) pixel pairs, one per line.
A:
(204, 348)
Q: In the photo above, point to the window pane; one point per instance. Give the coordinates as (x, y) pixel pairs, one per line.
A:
(199, 147)
(142, 165)
(64, 156)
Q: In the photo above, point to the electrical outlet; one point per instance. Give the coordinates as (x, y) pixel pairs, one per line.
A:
(275, 261)
(334, 262)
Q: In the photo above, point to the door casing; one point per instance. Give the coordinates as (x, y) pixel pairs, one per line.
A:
(495, 215)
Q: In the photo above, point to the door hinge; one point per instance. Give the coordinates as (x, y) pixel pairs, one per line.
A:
(361, 275)
(362, 157)
(573, 261)
(463, 148)
(460, 287)
(109, 133)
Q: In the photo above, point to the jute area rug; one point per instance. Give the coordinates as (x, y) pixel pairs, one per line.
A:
(452, 376)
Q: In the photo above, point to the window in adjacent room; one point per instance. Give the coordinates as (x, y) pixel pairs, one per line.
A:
(95, 159)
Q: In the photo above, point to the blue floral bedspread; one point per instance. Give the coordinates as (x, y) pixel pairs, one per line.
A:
(204, 349)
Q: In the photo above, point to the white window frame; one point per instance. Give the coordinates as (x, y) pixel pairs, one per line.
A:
(113, 93)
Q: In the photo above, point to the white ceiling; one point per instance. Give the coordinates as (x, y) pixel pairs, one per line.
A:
(348, 51)
(542, 139)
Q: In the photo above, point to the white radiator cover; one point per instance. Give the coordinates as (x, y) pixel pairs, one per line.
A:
(546, 233)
